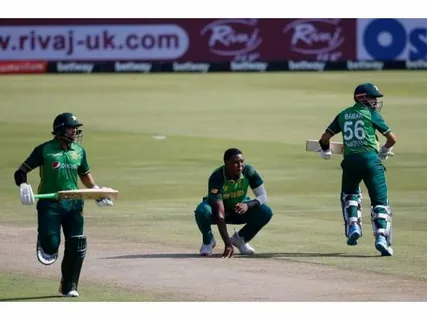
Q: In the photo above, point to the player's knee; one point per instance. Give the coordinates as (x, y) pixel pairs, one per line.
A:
(50, 243)
(203, 211)
(265, 213)
(381, 218)
(381, 209)
(352, 202)
(352, 199)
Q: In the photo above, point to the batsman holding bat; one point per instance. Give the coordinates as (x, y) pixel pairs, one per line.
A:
(227, 203)
(62, 160)
(362, 161)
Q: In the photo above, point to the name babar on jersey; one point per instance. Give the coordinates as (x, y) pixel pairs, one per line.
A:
(353, 116)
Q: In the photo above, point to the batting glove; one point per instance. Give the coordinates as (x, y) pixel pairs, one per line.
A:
(385, 152)
(26, 194)
(104, 202)
(326, 155)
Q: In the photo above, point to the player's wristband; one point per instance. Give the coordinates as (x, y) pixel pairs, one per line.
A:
(252, 203)
(20, 177)
(324, 146)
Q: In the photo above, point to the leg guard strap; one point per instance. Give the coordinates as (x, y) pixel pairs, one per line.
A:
(349, 203)
(381, 219)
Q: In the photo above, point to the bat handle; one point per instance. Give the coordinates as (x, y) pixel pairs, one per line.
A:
(46, 196)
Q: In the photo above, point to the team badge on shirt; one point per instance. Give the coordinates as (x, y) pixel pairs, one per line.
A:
(74, 155)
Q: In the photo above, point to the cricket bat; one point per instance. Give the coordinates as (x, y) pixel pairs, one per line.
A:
(80, 194)
(314, 146)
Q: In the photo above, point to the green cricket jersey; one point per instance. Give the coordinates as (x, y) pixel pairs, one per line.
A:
(358, 125)
(231, 192)
(59, 168)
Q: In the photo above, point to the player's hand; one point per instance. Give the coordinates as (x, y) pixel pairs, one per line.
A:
(241, 208)
(228, 251)
(26, 194)
(385, 152)
(104, 202)
(325, 155)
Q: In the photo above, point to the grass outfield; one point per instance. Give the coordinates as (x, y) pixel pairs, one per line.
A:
(18, 287)
(267, 116)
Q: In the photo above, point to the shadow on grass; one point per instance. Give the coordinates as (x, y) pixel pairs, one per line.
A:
(31, 298)
(269, 255)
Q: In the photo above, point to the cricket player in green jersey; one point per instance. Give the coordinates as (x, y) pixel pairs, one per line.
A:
(61, 161)
(362, 162)
(227, 202)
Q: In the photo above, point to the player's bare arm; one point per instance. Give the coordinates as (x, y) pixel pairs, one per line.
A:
(391, 140)
(386, 150)
(324, 142)
(219, 210)
(87, 180)
(325, 139)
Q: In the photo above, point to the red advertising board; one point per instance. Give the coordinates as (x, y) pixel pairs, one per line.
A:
(213, 40)
(14, 67)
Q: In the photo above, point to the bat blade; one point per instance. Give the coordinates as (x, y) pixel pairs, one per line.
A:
(314, 146)
(87, 194)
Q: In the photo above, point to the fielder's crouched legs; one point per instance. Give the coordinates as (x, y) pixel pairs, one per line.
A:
(74, 254)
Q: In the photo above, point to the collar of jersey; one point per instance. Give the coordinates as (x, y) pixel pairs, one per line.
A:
(227, 177)
(58, 144)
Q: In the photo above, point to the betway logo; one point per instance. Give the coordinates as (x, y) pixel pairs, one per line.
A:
(74, 67)
(190, 66)
(248, 66)
(306, 65)
(365, 65)
(417, 64)
(132, 66)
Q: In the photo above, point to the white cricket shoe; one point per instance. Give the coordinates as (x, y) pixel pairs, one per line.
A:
(72, 293)
(206, 249)
(239, 243)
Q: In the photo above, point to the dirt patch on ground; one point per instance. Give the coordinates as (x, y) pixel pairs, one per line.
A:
(189, 277)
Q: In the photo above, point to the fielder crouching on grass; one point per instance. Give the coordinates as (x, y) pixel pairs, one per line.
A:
(62, 160)
(227, 203)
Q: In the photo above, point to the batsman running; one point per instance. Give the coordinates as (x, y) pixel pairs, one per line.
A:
(227, 203)
(61, 161)
(362, 161)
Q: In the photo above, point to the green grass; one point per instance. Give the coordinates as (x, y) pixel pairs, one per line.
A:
(268, 116)
(21, 287)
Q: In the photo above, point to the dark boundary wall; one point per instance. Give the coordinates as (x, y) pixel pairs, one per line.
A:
(67, 67)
